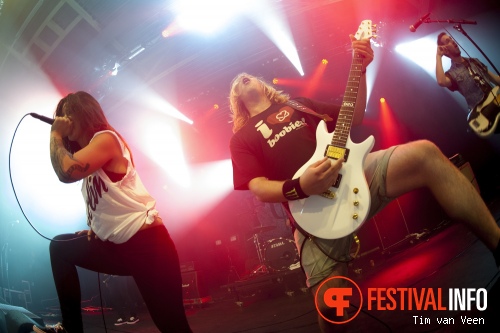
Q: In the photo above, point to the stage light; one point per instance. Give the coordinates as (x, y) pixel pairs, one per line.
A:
(33, 177)
(275, 81)
(314, 81)
(423, 53)
(324, 62)
(382, 100)
(171, 30)
(114, 72)
(272, 21)
(162, 142)
(135, 52)
(206, 16)
(216, 106)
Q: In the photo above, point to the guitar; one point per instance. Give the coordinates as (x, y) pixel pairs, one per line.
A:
(345, 205)
(484, 118)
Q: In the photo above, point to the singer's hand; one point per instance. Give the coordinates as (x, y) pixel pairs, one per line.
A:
(364, 48)
(88, 232)
(62, 125)
(441, 50)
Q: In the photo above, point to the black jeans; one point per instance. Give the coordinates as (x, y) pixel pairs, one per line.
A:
(124, 296)
(149, 256)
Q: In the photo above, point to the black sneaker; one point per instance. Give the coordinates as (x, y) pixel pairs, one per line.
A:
(132, 320)
(57, 328)
(119, 322)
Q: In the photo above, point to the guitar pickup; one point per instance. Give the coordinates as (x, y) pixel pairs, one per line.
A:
(336, 152)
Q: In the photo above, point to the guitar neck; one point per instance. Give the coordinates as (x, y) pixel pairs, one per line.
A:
(344, 120)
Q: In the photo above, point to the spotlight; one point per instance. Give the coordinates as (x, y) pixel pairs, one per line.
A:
(324, 61)
(275, 81)
(382, 100)
(114, 72)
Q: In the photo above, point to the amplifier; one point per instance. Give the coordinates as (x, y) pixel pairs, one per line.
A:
(187, 266)
(192, 286)
(466, 169)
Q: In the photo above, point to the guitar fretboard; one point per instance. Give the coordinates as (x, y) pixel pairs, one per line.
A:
(344, 121)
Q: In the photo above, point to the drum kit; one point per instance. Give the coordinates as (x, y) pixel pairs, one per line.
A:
(275, 255)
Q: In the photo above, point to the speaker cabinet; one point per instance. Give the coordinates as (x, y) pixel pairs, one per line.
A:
(193, 286)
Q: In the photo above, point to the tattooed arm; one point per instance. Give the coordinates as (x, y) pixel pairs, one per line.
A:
(63, 162)
(103, 151)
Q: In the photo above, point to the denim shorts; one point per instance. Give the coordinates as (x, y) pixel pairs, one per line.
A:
(315, 263)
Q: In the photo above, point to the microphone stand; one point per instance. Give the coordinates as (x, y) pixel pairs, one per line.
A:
(458, 27)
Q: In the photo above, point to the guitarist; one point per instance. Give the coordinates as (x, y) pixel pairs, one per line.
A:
(272, 140)
(469, 76)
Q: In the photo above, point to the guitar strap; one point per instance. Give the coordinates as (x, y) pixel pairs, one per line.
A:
(477, 72)
(300, 107)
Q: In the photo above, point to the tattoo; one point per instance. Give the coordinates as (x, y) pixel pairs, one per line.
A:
(57, 154)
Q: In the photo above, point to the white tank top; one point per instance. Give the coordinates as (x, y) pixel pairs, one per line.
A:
(117, 210)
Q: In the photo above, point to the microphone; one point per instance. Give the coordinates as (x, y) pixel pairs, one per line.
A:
(47, 120)
(417, 24)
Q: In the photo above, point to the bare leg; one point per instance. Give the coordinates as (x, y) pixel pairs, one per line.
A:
(421, 164)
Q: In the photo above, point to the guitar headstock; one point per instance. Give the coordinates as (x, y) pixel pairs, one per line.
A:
(366, 30)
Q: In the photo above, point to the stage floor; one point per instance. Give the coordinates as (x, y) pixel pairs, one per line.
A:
(450, 257)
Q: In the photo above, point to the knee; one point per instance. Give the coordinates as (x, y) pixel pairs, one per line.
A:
(427, 147)
(425, 152)
(55, 245)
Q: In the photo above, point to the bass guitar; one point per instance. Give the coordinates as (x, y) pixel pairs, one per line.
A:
(345, 205)
(484, 118)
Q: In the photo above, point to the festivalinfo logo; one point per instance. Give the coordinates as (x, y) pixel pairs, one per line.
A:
(332, 303)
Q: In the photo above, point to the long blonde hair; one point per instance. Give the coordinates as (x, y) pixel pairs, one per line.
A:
(239, 112)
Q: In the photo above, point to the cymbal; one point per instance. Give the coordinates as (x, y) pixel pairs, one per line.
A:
(263, 228)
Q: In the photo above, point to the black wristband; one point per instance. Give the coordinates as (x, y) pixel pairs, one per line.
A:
(292, 190)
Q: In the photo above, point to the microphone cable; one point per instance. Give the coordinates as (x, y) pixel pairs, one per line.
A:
(31, 224)
(17, 199)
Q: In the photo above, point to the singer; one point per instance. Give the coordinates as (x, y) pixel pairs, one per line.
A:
(469, 76)
(126, 234)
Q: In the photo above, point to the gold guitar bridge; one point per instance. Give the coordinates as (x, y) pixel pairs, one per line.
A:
(328, 194)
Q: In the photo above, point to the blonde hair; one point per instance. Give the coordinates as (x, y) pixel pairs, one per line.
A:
(239, 112)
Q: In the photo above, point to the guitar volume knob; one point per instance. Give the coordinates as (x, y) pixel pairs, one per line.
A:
(355, 190)
(355, 216)
(356, 203)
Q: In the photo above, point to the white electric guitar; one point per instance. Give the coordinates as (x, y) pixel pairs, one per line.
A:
(484, 118)
(345, 206)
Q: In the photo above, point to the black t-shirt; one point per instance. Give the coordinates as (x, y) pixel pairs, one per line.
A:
(277, 142)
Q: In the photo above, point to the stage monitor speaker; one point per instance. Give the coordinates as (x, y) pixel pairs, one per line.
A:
(193, 286)
(459, 161)
(15, 319)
